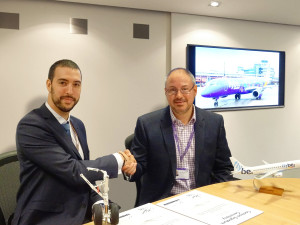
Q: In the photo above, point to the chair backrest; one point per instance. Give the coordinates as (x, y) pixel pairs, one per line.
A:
(128, 141)
(2, 220)
(9, 183)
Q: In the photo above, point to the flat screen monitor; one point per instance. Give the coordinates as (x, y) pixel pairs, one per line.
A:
(237, 78)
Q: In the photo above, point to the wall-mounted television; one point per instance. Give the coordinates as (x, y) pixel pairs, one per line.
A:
(237, 78)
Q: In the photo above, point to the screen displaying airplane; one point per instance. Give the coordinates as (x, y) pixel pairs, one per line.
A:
(222, 87)
(229, 78)
(263, 171)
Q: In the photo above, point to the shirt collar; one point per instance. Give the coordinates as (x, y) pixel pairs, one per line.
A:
(59, 118)
(178, 122)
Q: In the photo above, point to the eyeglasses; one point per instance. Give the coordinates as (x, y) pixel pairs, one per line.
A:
(174, 91)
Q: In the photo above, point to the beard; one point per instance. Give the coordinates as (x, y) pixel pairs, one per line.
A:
(58, 102)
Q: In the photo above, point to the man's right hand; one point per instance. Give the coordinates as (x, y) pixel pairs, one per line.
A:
(129, 166)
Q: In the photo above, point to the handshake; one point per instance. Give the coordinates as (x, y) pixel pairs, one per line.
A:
(129, 165)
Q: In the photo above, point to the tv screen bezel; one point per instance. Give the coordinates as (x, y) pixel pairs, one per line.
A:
(191, 66)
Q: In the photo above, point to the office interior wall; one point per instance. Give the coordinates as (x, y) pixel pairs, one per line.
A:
(122, 77)
(272, 135)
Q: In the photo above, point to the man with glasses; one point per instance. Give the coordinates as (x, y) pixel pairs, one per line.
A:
(180, 147)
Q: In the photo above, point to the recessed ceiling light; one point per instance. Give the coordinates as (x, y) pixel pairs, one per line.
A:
(214, 3)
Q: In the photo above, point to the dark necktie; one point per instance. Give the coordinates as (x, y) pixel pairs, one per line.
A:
(66, 126)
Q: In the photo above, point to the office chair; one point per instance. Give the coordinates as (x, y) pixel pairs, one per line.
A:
(9, 185)
(2, 220)
(128, 142)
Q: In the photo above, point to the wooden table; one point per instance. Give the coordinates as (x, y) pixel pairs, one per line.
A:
(281, 210)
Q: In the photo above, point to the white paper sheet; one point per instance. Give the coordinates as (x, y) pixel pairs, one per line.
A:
(150, 214)
(209, 209)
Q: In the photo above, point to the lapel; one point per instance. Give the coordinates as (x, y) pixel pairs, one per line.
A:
(167, 133)
(199, 139)
(58, 131)
(81, 138)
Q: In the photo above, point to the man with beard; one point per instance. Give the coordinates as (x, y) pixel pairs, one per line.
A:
(52, 157)
(180, 147)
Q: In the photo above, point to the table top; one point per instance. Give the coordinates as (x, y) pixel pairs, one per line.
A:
(276, 209)
(283, 209)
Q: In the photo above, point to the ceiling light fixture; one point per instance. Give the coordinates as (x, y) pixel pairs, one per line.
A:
(214, 3)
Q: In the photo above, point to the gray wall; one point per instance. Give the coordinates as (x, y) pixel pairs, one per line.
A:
(124, 77)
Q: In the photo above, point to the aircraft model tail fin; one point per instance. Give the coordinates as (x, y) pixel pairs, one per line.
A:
(238, 166)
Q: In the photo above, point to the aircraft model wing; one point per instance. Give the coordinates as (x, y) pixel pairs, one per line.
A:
(265, 162)
(267, 174)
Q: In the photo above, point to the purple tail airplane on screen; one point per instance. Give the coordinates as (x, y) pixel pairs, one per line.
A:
(222, 87)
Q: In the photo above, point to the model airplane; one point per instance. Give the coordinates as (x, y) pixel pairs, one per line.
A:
(274, 169)
(222, 87)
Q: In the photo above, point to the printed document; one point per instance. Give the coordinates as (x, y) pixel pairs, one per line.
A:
(150, 214)
(209, 209)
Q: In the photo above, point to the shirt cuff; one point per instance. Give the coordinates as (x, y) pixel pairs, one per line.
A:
(120, 162)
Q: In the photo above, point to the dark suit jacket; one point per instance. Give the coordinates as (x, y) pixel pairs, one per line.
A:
(154, 149)
(52, 191)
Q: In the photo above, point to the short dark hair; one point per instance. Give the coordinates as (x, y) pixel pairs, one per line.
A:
(187, 72)
(62, 63)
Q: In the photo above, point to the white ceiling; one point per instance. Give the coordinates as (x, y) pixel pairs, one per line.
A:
(273, 11)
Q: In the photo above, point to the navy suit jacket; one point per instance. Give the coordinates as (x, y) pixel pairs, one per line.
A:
(51, 190)
(154, 149)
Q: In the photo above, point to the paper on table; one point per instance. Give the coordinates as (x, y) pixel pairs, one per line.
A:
(150, 214)
(209, 209)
